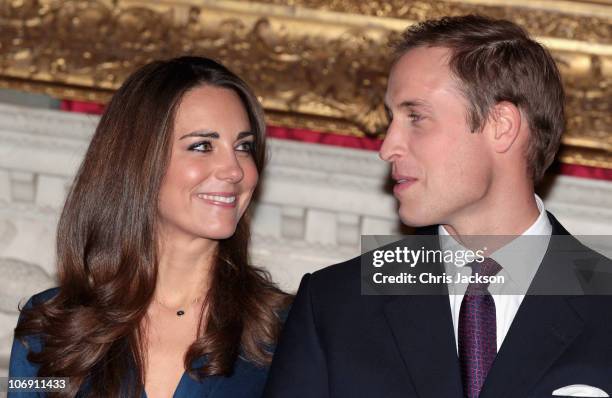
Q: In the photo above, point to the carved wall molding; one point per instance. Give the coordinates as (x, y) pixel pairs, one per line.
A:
(17, 273)
(48, 123)
(7, 233)
(317, 64)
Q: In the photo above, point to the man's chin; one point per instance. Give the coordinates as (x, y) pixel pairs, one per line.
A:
(415, 220)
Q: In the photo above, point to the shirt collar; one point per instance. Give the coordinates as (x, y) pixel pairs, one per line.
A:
(520, 258)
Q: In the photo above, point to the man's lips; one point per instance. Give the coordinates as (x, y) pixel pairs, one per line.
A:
(402, 182)
(223, 199)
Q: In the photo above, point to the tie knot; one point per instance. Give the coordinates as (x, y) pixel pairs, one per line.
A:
(488, 267)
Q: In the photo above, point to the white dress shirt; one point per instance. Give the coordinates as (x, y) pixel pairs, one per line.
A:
(519, 259)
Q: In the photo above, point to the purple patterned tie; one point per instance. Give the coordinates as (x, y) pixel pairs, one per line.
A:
(477, 330)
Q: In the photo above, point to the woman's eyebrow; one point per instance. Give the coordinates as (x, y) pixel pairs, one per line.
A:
(245, 134)
(202, 133)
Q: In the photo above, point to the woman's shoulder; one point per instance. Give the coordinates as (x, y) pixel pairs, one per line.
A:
(283, 313)
(246, 381)
(19, 365)
(42, 297)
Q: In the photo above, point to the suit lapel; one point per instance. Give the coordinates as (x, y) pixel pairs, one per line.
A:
(543, 328)
(422, 329)
(541, 331)
(423, 332)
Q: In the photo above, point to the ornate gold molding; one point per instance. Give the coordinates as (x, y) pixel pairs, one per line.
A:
(319, 64)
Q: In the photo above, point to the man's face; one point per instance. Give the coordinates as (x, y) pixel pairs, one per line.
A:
(442, 170)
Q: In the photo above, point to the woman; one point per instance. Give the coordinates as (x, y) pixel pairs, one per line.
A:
(156, 296)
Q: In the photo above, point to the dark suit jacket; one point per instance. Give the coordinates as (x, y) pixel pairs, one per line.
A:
(339, 343)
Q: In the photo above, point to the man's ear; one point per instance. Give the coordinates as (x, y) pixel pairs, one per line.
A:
(505, 125)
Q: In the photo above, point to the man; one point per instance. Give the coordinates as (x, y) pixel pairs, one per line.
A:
(475, 118)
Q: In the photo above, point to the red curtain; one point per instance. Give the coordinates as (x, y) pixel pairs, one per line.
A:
(365, 143)
(82, 107)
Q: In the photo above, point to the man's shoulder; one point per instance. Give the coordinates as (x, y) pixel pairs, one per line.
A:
(338, 277)
(576, 246)
(346, 277)
(576, 263)
(334, 295)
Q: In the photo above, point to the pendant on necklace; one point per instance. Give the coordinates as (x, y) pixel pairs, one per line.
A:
(180, 313)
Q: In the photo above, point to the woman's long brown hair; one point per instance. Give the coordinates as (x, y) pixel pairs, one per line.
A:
(91, 330)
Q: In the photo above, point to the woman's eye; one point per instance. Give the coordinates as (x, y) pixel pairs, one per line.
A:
(203, 146)
(246, 146)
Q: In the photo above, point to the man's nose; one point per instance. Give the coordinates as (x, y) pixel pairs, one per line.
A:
(392, 145)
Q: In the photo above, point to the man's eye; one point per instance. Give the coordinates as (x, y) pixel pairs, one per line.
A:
(415, 117)
(389, 116)
(246, 146)
(203, 146)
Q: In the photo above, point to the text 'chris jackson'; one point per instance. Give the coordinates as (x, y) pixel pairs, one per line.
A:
(428, 278)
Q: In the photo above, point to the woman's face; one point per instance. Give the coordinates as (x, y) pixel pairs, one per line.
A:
(211, 175)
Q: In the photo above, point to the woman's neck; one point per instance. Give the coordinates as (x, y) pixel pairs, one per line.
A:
(184, 271)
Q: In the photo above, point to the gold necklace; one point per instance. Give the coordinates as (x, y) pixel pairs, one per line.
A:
(180, 311)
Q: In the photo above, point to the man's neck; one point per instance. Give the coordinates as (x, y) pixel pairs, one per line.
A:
(496, 216)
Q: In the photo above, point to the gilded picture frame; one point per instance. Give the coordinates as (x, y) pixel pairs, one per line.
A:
(315, 64)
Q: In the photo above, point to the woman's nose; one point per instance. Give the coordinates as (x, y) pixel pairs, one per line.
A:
(230, 169)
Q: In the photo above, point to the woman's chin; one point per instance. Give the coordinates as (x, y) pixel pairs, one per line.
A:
(217, 234)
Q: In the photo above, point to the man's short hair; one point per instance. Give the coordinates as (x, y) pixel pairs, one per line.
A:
(494, 61)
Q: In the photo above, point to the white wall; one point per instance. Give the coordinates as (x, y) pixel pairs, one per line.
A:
(316, 202)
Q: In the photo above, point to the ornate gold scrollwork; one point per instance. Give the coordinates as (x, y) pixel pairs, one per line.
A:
(318, 64)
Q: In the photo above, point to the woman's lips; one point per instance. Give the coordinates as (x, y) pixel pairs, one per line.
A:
(219, 199)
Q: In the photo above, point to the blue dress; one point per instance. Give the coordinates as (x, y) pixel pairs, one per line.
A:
(247, 380)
